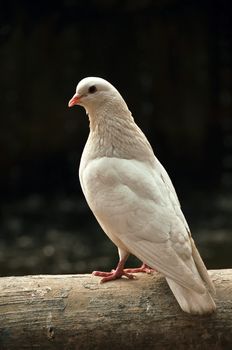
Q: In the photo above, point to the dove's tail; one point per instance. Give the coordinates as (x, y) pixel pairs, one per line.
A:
(191, 301)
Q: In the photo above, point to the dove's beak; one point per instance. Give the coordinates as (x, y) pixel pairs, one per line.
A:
(74, 100)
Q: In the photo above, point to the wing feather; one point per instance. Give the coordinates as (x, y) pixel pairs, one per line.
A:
(163, 258)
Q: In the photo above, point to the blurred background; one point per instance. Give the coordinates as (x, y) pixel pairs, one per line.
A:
(172, 62)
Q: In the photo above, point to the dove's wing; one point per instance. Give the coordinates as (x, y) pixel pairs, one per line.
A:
(132, 203)
(171, 191)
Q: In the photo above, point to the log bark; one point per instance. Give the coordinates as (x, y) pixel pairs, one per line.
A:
(77, 312)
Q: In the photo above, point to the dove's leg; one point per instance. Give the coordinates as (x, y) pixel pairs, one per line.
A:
(119, 272)
(144, 268)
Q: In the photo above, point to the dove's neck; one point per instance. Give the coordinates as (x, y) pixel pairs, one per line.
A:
(108, 116)
(113, 133)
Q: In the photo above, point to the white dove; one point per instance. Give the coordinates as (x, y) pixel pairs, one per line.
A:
(133, 198)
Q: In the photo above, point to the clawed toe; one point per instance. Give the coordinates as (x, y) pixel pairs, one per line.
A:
(113, 275)
(101, 273)
(144, 268)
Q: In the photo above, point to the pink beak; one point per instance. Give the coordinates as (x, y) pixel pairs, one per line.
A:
(74, 100)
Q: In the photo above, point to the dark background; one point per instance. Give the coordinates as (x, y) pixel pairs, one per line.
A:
(172, 62)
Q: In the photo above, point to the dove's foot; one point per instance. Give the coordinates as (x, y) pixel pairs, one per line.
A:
(110, 276)
(144, 268)
(114, 274)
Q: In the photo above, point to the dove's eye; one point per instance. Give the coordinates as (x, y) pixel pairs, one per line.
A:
(92, 89)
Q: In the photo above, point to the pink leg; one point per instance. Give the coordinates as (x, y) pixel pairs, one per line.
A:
(114, 274)
(144, 268)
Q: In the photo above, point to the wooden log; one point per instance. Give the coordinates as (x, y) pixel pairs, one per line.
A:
(77, 312)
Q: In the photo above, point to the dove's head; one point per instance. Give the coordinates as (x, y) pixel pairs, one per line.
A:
(93, 93)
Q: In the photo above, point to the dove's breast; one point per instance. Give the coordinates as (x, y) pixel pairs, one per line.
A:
(102, 184)
(105, 194)
(123, 194)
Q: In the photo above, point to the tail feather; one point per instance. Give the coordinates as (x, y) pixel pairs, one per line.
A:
(191, 301)
(201, 268)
